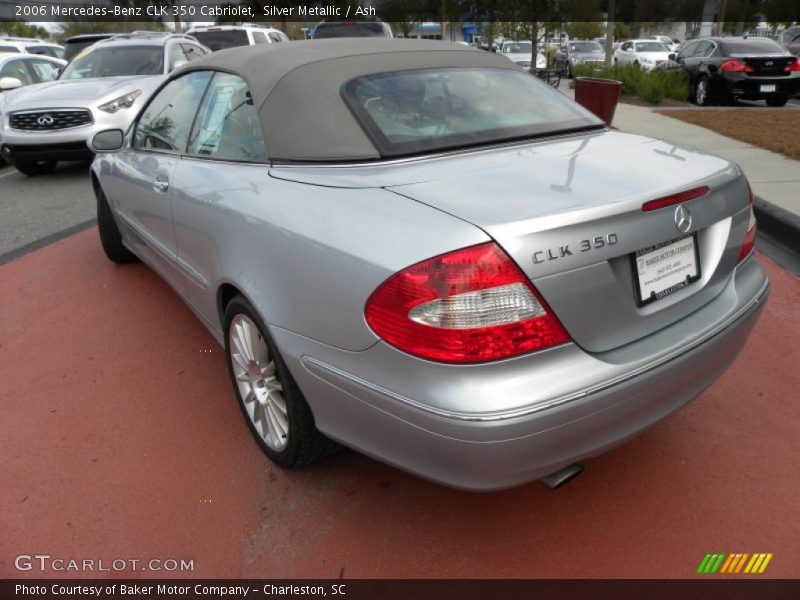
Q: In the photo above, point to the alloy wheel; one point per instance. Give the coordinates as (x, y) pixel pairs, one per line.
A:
(257, 379)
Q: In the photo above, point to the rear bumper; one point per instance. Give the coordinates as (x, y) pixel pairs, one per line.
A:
(749, 88)
(540, 412)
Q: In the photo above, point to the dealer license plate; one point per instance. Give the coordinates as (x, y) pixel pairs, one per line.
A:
(768, 88)
(665, 268)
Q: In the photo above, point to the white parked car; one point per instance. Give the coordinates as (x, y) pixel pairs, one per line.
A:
(219, 37)
(31, 46)
(647, 54)
(103, 87)
(520, 53)
(17, 70)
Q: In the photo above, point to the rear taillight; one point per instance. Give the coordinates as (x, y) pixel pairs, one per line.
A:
(468, 306)
(752, 229)
(795, 66)
(735, 66)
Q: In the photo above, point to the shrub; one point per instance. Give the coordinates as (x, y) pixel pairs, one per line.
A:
(651, 86)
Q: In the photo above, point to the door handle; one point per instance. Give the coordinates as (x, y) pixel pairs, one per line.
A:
(160, 185)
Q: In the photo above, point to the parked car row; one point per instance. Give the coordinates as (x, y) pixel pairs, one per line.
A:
(102, 87)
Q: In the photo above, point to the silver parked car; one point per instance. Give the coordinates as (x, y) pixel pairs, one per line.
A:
(470, 285)
(103, 87)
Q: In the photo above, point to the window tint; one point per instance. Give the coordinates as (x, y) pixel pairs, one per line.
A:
(227, 125)
(433, 109)
(17, 68)
(751, 46)
(259, 37)
(9, 49)
(219, 39)
(44, 70)
(166, 121)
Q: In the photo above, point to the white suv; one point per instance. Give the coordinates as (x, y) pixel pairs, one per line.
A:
(219, 37)
(102, 88)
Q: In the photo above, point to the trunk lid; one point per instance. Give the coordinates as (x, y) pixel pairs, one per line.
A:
(767, 66)
(570, 214)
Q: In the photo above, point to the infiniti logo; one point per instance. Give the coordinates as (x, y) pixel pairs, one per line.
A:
(683, 219)
(45, 120)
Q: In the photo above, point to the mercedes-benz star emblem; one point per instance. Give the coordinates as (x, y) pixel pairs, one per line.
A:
(45, 120)
(683, 219)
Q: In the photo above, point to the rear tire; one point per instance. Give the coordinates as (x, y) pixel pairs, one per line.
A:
(702, 92)
(274, 408)
(777, 102)
(110, 237)
(35, 167)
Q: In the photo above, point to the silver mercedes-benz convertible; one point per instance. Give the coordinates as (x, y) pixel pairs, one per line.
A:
(420, 251)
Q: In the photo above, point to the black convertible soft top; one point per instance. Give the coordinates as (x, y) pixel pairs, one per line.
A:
(296, 88)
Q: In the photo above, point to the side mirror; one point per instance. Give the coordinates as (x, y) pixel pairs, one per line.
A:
(179, 63)
(108, 140)
(673, 57)
(57, 72)
(9, 83)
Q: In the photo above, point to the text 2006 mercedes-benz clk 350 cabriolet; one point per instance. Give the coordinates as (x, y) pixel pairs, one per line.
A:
(419, 251)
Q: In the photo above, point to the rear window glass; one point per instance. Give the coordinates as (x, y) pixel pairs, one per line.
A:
(751, 46)
(338, 30)
(225, 38)
(408, 112)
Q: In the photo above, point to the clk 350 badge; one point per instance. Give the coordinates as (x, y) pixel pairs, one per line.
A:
(597, 242)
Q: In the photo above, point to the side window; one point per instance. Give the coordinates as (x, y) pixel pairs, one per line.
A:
(17, 68)
(167, 120)
(276, 39)
(227, 126)
(259, 37)
(9, 49)
(193, 52)
(701, 49)
(626, 46)
(43, 70)
(175, 54)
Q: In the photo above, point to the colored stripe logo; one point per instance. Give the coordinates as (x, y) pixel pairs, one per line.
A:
(734, 563)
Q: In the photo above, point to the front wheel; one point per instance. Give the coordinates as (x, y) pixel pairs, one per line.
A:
(702, 94)
(273, 406)
(35, 167)
(110, 236)
(777, 101)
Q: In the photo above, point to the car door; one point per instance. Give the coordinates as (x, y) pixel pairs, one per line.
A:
(695, 62)
(624, 56)
(140, 184)
(223, 171)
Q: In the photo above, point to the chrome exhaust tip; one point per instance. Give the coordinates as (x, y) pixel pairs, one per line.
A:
(563, 476)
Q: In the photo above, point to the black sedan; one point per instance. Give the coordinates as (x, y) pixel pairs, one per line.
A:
(730, 68)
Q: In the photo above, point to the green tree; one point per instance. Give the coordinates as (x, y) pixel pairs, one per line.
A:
(20, 29)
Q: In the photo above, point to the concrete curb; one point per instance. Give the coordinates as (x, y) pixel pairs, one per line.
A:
(778, 223)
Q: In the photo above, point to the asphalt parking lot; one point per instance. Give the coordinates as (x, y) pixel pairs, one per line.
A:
(121, 438)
